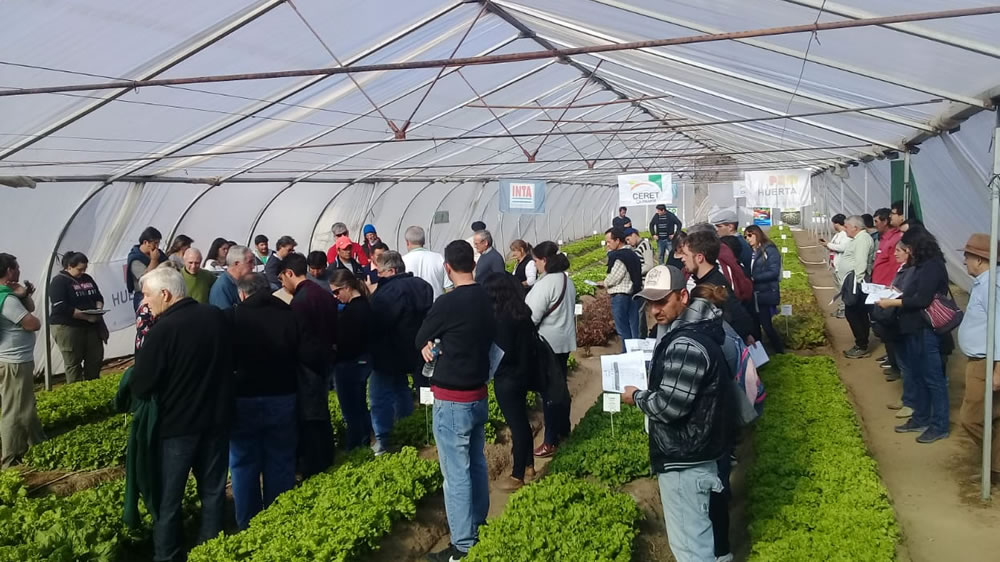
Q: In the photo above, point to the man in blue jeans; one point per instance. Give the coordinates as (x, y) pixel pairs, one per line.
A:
(623, 280)
(463, 321)
(263, 439)
(186, 365)
(690, 425)
(664, 226)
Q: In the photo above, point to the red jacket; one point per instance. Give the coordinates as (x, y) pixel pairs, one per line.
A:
(359, 256)
(885, 266)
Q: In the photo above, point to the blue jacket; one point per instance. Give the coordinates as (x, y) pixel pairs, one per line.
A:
(399, 307)
(746, 255)
(766, 275)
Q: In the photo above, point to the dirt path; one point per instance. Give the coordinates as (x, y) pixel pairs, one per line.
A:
(936, 503)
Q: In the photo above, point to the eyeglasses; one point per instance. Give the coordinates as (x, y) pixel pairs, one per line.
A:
(341, 234)
(337, 291)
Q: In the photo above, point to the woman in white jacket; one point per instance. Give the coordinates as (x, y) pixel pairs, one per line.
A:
(837, 247)
(553, 309)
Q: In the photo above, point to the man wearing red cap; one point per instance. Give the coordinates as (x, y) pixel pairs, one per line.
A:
(345, 257)
(972, 340)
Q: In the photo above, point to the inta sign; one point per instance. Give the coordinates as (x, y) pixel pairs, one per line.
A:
(783, 189)
(645, 189)
(522, 196)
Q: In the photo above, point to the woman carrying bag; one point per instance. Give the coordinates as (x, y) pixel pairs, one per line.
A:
(78, 331)
(553, 309)
(765, 272)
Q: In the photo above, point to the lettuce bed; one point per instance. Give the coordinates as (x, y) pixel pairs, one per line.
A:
(561, 518)
(806, 327)
(76, 403)
(814, 491)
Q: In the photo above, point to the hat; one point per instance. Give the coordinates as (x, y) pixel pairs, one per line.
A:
(343, 242)
(630, 231)
(978, 245)
(660, 282)
(723, 216)
(368, 229)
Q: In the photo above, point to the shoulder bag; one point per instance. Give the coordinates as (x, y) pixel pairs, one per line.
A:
(943, 314)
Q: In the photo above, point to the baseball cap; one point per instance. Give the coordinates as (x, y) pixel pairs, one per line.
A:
(660, 282)
(723, 216)
(343, 242)
(630, 231)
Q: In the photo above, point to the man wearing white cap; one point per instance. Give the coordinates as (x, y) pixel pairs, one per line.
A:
(690, 414)
(727, 224)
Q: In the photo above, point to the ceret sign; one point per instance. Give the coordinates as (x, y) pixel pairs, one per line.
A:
(645, 189)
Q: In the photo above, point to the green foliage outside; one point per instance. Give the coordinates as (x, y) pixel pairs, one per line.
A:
(83, 527)
(592, 451)
(561, 518)
(806, 327)
(814, 491)
(336, 515)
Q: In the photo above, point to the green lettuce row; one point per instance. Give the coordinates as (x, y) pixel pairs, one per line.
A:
(11, 487)
(561, 518)
(814, 491)
(592, 451)
(336, 515)
(806, 327)
(581, 246)
(83, 527)
(596, 273)
(77, 403)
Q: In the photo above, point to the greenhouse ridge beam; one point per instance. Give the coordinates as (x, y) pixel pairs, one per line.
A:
(515, 57)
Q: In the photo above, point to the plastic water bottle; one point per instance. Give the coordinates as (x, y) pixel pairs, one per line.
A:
(428, 370)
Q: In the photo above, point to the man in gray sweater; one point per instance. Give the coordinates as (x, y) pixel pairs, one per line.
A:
(490, 260)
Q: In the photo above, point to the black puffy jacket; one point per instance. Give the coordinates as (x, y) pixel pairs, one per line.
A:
(690, 401)
(399, 307)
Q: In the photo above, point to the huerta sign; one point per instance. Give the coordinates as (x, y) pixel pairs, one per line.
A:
(645, 189)
(783, 189)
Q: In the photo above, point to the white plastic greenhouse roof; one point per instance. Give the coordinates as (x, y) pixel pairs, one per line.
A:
(341, 127)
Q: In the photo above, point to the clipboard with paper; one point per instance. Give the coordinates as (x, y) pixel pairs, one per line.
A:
(625, 369)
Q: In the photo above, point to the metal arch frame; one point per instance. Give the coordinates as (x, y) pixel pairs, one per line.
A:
(402, 215)
(293, 90)
(908, 28)
(198, 44)
(482, 188)
(45, 275)
(795, 53)
(184, 213)
(737, 101)
(544, 16)
(263, 210)
(327, 206)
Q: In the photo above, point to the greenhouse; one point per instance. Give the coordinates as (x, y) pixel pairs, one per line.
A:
(140, 141)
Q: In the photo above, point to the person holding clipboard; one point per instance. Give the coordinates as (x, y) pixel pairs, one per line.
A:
(77, 319)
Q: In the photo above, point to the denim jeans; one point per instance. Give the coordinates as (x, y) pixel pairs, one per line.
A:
(459, 429)
(352, 381)
(664, 246)
(390, 400)
(625, 311)
(685, 496)
(930, 386)
(262, 442)
(556, 415)
(205, 454)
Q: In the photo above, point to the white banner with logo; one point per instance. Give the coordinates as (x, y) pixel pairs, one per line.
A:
(110, 278)
(782, 189)
(645, 189)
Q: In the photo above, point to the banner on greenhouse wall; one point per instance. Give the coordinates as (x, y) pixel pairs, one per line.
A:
(782, 189)
(522, 197)
(762, 216)
(110, 279)
(645, 189)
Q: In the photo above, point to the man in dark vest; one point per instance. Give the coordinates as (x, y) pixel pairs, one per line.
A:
(624, 279)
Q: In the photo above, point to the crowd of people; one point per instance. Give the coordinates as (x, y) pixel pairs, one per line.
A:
(238, 350)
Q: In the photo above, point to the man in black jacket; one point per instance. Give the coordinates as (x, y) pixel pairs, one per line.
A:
(621, 221)
(664, 226)
(689, 411)
(463, 321)
(264, 436)
(398, 309)
(186, 364)
(700, 255)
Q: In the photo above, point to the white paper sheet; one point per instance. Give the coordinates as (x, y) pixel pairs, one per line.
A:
(589, 282)
(758, 354)
(496, 355)
(878, 292)
(645, 347)
(626, 369)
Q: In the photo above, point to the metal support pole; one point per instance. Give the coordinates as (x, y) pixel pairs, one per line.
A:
(866, 185)
(843, 204)
(991, 312)
(906, 184)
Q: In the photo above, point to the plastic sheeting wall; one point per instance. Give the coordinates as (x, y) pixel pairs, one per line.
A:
(105, 223)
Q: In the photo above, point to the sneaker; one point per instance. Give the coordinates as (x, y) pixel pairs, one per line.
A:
(856, 353)
(837, 314)
(725, 558)
(529, 473)
(510, 484)
(885, 364)
(904, 412)
(450, 554)
(545, 450)
(910, 427)
(931, 436)
(891, 374)
(882, 359)
(897, 405)
(379, 448)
